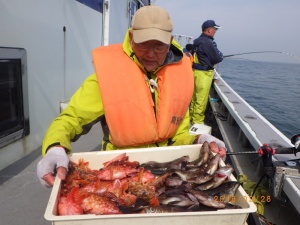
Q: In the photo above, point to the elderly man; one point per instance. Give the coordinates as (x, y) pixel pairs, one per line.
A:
(140, 93)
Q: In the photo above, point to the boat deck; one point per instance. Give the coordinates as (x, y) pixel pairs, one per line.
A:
(22, 197)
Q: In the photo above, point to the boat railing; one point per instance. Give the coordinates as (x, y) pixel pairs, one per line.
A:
(183, 39)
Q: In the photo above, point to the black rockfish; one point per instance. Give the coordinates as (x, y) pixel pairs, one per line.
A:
(219, 177)
(225, 191)
(203, 156)
(183, 200)
(186, 175)
(207, 200)
(159, 168)
(213, 164)
(163, 209)
(173, 181)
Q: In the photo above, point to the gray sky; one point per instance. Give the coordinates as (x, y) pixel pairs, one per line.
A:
(247, 26)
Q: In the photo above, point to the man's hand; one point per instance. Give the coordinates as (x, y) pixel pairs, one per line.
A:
(215, 144)
(55, 160)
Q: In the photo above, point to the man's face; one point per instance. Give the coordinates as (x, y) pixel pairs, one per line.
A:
(211, 31)
(151, 54)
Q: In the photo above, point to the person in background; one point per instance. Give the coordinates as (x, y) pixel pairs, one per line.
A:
(188, 51)
(140, 93)
(206, 55)
(189, 47)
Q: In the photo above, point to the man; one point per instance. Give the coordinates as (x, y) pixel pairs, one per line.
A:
(206, 55)
(188, 52)
(140, 93)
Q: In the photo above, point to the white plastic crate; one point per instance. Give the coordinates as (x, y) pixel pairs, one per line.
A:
(160, 154)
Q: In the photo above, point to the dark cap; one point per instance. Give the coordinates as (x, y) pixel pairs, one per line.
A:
(210, 23)
(189, 47)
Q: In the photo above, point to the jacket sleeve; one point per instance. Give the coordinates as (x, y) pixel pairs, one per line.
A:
(83, 111)
(213, 53)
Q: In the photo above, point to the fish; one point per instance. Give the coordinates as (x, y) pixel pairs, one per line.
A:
(175, 191)
(94, 203)
(219, 177)
(145, 177)
(123, 186)
(119, 158)
(173, 181)
(203, 156)
(186, 175)
(162, 167)
(116, 187)
(160, 190)
(159, 181)
(179, 200)
(202, 178)
(206, 199)
(114, 172)
(162, 209)
(225, 191)
(143, 191)
(213, 164)
(67, 205)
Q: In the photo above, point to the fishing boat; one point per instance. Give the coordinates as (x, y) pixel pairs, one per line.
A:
(45, 49)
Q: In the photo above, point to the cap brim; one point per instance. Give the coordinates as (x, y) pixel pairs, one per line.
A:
(143, 35)
(217, 26)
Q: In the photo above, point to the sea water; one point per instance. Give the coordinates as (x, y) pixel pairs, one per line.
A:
(273, 89)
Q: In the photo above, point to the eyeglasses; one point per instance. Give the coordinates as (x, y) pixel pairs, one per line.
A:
(157, 48)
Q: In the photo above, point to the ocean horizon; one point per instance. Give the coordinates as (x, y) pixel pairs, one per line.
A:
(271, 88)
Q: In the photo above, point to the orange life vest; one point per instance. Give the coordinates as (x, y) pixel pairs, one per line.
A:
(127, 101)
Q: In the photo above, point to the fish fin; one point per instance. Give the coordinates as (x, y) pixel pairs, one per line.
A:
(76, 195)
(119, 158)
(154, 201)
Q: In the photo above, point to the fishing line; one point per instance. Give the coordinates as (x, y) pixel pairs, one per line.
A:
(249, 60)
(247, 53)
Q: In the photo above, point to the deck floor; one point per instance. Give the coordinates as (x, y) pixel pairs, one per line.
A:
(22, 198)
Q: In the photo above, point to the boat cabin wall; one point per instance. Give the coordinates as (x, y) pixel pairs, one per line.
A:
(58, 37)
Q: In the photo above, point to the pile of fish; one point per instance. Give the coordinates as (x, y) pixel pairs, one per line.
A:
(123, 186)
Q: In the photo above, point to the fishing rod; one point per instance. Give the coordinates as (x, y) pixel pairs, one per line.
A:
(265, 148)
(259, 52)
(281, 150)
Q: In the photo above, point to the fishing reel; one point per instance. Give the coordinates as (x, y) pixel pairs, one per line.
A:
(266, 153)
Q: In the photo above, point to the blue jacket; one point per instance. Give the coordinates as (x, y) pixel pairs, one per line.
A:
(207, 52)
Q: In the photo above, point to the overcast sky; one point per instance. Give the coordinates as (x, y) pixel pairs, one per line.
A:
(247, 25)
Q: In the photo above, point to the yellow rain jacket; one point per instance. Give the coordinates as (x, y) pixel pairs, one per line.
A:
(86, 107)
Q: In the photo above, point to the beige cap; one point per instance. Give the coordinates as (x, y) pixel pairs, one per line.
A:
(152, 23)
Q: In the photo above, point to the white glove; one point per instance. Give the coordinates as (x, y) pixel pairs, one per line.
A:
(210, 139)
(55, 157)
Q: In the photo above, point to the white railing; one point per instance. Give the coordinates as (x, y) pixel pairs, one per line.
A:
(183, 39)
